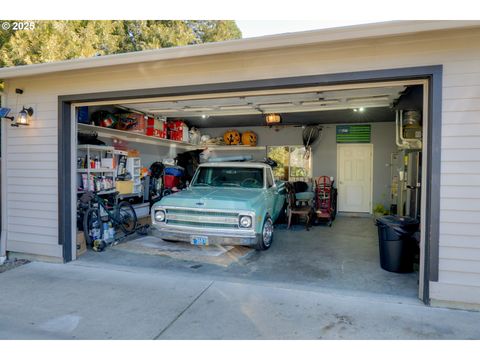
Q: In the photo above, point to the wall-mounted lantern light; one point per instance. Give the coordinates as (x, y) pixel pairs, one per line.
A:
(23, 117)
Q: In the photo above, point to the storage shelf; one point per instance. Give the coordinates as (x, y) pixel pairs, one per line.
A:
(96, 170)
(96, 148)
(232, 147)
(135, 137)
(99, 193)
(125, 196)
(144, 139)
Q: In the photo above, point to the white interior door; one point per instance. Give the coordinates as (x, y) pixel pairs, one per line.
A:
(354, 175)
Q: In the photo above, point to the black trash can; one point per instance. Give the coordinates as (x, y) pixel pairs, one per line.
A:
(396, 242)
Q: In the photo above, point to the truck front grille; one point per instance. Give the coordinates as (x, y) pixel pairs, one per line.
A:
(201, 218)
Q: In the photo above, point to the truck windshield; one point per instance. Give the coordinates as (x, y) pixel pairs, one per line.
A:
(229, 177)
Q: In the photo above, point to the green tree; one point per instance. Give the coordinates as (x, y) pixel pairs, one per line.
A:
(65, 39)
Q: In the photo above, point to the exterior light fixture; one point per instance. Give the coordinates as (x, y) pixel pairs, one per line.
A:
(23, 117)
(272, 119)
(361, 109)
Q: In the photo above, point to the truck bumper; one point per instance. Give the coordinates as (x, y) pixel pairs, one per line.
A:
(213, 238)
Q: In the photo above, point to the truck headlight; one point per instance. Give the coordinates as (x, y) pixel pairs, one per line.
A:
(159, 215)
(245, 221)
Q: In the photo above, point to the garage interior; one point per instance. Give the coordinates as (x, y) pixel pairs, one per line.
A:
(321, 131)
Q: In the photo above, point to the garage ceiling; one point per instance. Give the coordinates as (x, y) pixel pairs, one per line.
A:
(310, 107)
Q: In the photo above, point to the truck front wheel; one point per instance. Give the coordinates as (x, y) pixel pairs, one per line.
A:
(266, 238)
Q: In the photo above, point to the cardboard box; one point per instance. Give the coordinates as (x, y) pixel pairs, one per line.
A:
(124, 187)
(145, 221)
(81, 243)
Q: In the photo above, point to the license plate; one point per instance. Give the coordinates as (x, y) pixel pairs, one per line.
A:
(199, 240)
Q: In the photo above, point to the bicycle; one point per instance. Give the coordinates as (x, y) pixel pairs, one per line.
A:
(122, 215)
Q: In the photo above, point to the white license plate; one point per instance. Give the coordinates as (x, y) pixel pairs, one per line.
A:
(199, 240)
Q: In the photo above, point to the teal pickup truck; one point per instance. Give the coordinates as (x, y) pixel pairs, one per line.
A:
(227, 203)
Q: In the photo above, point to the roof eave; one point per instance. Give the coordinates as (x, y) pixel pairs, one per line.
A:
(382, 29)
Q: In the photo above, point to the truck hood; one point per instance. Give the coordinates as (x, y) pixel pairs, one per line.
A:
(214, 198)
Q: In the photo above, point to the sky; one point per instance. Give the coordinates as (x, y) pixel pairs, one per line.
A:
(253, 28)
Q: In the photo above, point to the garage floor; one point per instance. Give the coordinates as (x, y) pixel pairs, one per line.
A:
(344, 256)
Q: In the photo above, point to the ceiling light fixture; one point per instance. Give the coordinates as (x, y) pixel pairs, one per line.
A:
(271, 119)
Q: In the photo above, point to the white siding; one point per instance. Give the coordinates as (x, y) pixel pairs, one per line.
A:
(32, 164)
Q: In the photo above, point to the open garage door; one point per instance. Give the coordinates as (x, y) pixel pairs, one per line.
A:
(327, 107)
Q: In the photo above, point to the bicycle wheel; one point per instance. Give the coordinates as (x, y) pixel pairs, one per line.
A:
(126, 217)
(92, 225)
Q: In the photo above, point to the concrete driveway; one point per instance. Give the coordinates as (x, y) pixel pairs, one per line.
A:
(88, 301)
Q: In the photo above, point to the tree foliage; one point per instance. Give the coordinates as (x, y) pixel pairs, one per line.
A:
(67, 39)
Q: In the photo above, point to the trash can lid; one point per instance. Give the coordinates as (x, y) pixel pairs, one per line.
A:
(398, 220)
(402, 225)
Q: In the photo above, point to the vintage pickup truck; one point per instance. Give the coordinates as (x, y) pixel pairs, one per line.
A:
(227, 203)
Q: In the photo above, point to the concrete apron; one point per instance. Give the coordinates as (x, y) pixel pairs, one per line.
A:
(89, 301)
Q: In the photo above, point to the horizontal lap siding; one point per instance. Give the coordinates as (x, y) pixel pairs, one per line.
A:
(31, 164)
(459, 253)
(31, 157)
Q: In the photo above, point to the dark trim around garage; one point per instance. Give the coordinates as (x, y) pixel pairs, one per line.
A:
(64, 179)
(432, 73)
